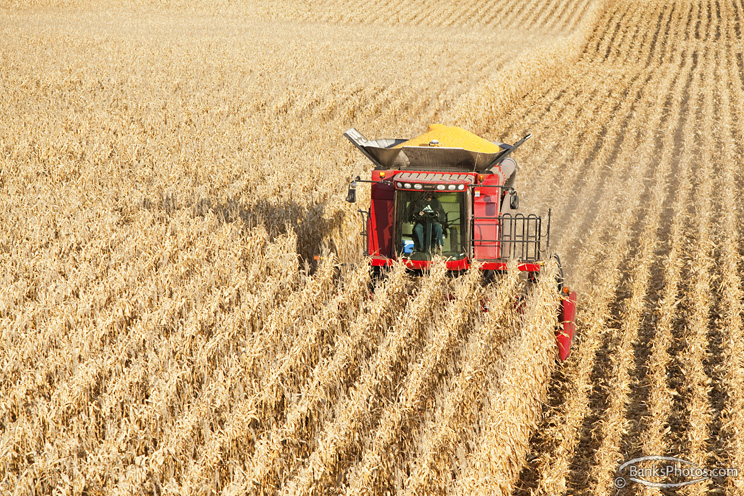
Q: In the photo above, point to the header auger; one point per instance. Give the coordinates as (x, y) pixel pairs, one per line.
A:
(450, 192)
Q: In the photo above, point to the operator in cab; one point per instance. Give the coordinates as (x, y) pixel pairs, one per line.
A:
(428, 216)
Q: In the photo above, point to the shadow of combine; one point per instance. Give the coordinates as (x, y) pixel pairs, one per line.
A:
(311, 223)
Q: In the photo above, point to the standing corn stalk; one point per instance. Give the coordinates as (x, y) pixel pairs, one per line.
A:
(395, 435)
(358, 413)
(514, 408)
(484, 365)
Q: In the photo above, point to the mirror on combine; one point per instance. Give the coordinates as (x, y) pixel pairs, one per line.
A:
(513, 200)
(351, 196)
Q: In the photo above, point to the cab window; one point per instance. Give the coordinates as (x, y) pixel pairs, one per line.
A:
(412, 229)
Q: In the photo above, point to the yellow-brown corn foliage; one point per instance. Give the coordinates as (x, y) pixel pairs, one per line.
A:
(168, 171)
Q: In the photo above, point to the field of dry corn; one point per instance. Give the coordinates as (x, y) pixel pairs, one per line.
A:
(168, 172)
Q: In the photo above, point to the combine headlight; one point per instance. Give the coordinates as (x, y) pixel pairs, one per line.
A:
(461, 187)
(400, 185)
(416, 186)
(451, 187)
(440, 186)
(407, 185)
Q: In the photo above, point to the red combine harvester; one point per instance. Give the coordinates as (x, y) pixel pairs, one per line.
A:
(450, 192)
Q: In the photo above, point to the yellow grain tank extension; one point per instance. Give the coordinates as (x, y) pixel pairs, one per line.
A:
(452, 137)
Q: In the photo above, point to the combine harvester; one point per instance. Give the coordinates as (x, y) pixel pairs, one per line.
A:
(451, 192)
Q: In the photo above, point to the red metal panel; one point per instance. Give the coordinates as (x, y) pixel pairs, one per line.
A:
(381, 217)
(485, 204)
(434, 178)
(380, 261)
(461, 264)
(524, 267)
(454, 264)
(567, 319)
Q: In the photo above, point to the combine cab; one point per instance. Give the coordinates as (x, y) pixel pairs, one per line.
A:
(451, 192)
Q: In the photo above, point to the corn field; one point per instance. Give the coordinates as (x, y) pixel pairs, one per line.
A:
(169, 171)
